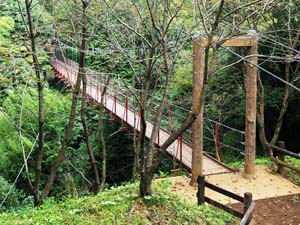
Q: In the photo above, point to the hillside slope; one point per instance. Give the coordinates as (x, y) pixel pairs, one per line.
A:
(119, 205)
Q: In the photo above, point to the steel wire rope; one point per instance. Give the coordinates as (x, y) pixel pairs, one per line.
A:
(119, 92)
(176, 105)
(263, 69)
(17, 177)
(174, 113)
(169, 102)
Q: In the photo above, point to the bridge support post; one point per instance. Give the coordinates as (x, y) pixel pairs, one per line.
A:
(250, 129)
(197, 127)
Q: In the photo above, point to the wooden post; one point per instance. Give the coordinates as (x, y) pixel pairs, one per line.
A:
(247, 203)
(201, 190)
(197, 127)
(250, 129)
(280, 170)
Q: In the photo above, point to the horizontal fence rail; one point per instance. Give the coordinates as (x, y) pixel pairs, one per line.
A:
(282, 152)
(249, 205)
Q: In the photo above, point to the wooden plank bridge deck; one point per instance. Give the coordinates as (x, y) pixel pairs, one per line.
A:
(68, 72)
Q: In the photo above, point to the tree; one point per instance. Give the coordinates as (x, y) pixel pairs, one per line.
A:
(39, 80)
(68, 131)
(283, 48)
(155, 30)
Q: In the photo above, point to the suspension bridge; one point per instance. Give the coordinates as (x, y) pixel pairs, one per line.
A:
(122, 107)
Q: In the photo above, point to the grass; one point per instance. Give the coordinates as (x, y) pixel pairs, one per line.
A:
(120, 205)
(258, 161)
(293, 175)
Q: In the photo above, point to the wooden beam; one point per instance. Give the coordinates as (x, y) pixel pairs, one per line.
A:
(224, 192)
(240, 41)
(250, 124)
(248, 215)
(224, 207)
(285, 152)
(197, 98)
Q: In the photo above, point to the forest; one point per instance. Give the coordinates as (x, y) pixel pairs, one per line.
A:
(64, 146)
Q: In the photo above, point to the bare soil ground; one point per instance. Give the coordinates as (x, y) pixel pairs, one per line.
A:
(278, 200)
(276, 211)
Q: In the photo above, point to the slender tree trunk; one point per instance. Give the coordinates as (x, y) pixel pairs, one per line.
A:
(261, 117)
(150, 167)
(87, 135)
(266, 145)
(103, 147)
(219, 153)
(141, 145)
(102, 139)
(68, 132)
(41, 140)
(284, 105)
(144, 156)
(136, 152)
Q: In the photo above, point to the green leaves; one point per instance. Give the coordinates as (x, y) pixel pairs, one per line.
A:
(6, 27)
(294, 176)
(119, 206)
(13, 199)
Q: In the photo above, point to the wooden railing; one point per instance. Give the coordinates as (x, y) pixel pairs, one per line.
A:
(249, 205)
(282, 152)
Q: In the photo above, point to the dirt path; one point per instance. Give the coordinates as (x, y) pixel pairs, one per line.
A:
(278, 200)
(276, 211)
(266, 184)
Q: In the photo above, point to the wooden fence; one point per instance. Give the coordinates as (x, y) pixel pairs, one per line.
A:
(282, 152)
(249, 205)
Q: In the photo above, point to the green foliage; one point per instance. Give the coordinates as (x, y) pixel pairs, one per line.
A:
(13, 199)
(10, 148)
(40, 16)
(57, 107)
(6, 27)
(258, 161)
(119, 205)
(182, 81)
(293, 175)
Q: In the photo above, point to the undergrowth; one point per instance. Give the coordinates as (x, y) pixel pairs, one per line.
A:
(258, 161)
(293, 175)
(119, 205)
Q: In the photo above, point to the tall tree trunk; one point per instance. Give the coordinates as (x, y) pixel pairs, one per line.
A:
(87, 135)
(144, 155)
(37, 68)
(68, 132)
(150, 168)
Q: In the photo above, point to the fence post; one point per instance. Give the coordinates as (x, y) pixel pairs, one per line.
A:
(280, 169)
(201, 188)
(247, 203)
